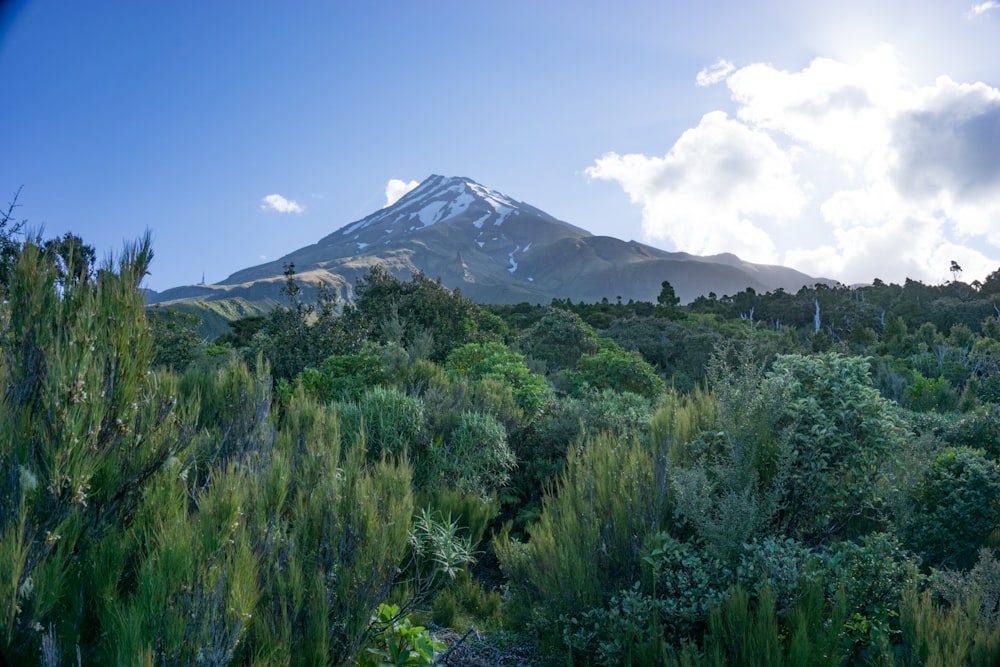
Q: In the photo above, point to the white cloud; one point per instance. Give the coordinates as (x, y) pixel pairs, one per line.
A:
(714, 73)
(839, 108)
(982, 8)
(712, 190)
(900, 179)
(946, 142)
(395, 189)
(281, 205)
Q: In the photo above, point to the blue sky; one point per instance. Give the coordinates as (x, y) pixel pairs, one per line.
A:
(852, 141)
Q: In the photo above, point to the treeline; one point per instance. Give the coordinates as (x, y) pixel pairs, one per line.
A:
(805, 479)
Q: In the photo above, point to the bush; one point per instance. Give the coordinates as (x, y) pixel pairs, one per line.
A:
(956, 507)
(620, 371)
(840, 433)
(474, 458)
(497, 362)
(465, 604)
(586, 545)
(386, 421)
(344, 376)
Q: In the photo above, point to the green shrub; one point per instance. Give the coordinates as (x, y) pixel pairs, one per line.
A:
(464, 604)
(978, 429)
(586, 545)
(473, 458)
(387, 421)
(558, 339)
(685, 582)
(930, 394)
(620, 371)
(333, 530)
(840, 433)
(956, 507)
(344, 376)
(786, 566)
(496, 361)
(86, 427)
(941, 635)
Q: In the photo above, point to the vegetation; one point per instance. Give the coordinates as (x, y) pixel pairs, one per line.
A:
(776, 479)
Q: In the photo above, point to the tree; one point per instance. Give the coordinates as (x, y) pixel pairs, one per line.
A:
(392, 311)
(9, 245)
(74, 258)
(299, 335)
(620, 371)
(558, 339)
(668, 301)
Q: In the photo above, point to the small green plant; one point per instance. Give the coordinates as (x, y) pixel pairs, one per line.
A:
(464, 603)
(396, 642)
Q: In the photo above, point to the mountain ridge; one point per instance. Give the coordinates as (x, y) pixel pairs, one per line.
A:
(494, 249)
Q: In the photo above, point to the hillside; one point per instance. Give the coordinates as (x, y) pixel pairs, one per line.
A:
(495, 250)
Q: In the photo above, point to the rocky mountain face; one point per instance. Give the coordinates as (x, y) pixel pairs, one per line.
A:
(495, 250)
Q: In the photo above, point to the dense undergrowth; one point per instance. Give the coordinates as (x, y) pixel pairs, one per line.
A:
(804, 479)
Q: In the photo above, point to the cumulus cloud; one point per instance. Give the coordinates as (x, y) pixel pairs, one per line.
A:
(982, 8)
(885, 177)
(709, 192)
(280, 204)
(714, 73)
(947, 142)
(395, 189)
(835, 107)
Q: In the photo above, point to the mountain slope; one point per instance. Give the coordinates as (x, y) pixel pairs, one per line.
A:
(496, 250)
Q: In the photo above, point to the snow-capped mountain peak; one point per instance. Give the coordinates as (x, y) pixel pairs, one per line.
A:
(440, 199)
(495, 249)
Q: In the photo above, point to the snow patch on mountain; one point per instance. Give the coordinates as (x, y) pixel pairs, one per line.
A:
(513, 262)
(431, 213)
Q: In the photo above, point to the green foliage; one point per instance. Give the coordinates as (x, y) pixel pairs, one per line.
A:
(440, 550)
(679, 350)
(464, 603)
(840, 432)
(752, 631)
(979, 585)
(942, 635)
(956, 507)
(393, 311)
(871, 573)
(978, 429)
(586, 545)
(619, 371)
(727, 478)
(559, 338)
(344, 376)
(301, 335)
(399, 643)
(333, 530)
(495, 361)
(685, 581)
(385, 420)
(135, 538)
(786, 566)
(85, 429)
(474, 458)
(926, 394)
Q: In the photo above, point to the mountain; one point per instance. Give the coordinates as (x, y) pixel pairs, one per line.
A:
(495, 250)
